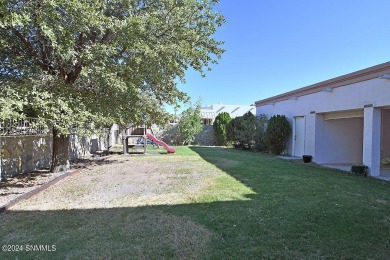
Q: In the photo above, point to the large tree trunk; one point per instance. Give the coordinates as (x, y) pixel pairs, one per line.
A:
(60, 155)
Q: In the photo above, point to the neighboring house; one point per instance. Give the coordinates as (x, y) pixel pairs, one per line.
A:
(174, 120)
(339, 121)
(210, 112)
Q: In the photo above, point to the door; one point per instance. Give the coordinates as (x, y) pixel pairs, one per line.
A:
(299, 136)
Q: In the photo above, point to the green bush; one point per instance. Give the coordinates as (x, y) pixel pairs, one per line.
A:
(230, 129)
(262, 127)
(220, 128)
(277, 134)
(247, 132)
(190, 124)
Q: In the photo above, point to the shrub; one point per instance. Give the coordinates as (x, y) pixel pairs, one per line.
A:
(262, 127)
(230, 129)
(247, 131)
(220, 126)
(277, 133)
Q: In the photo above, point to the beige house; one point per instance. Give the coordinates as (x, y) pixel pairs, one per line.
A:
(340, 121)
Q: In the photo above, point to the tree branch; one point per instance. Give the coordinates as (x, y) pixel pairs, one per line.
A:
(80, 42)
(26, 43)
(73, 74)
(32, 53)
(170, 10)
(44, 45)
(104, 40)
(122, 51)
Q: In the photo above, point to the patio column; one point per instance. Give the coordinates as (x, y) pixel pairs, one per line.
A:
(372, 139)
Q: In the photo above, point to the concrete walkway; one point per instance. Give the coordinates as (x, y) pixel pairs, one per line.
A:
(291, 158)
(384, 174)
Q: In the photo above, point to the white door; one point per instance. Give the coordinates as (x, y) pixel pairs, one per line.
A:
(299, 136)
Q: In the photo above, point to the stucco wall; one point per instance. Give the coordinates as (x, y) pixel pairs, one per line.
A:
(339, 140)
(354, 96)
(375, 92)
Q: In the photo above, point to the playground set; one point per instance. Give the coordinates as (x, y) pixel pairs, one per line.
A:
(136, 139)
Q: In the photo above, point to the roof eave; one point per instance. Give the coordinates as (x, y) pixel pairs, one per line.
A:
(351, 78)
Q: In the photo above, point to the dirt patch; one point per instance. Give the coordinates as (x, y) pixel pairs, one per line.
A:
(126, 181)
(14, 187)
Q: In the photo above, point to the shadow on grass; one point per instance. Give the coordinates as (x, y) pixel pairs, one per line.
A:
(297, 211)
(114, 233)
(205, 230)
(253, 169)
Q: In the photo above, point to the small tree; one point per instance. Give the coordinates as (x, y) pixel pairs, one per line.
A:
(277, 133)
(190, 124)
(220, 128)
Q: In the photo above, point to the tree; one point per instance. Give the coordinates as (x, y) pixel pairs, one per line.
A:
(220, 128)
(277, 134)
(88, 64)
(247, 131)
(190, 123)
(243, 130)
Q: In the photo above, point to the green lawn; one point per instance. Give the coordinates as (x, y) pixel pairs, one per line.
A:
(246, 205)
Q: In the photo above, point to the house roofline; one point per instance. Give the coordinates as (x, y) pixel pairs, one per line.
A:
(351, 78)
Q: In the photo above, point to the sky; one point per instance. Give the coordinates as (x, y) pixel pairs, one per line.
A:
(274, 46)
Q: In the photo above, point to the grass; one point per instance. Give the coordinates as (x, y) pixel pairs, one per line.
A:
(244, 205)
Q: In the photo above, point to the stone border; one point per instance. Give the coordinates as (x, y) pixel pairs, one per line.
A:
(27, 195)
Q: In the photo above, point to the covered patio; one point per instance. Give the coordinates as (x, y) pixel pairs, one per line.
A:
(362, 137)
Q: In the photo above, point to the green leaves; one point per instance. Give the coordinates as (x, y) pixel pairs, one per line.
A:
(220, 126)
(77, 62)
(277, 134)
(248, 131)
(190, 123)
(10, 103)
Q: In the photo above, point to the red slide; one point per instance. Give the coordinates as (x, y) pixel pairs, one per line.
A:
(159, 142)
